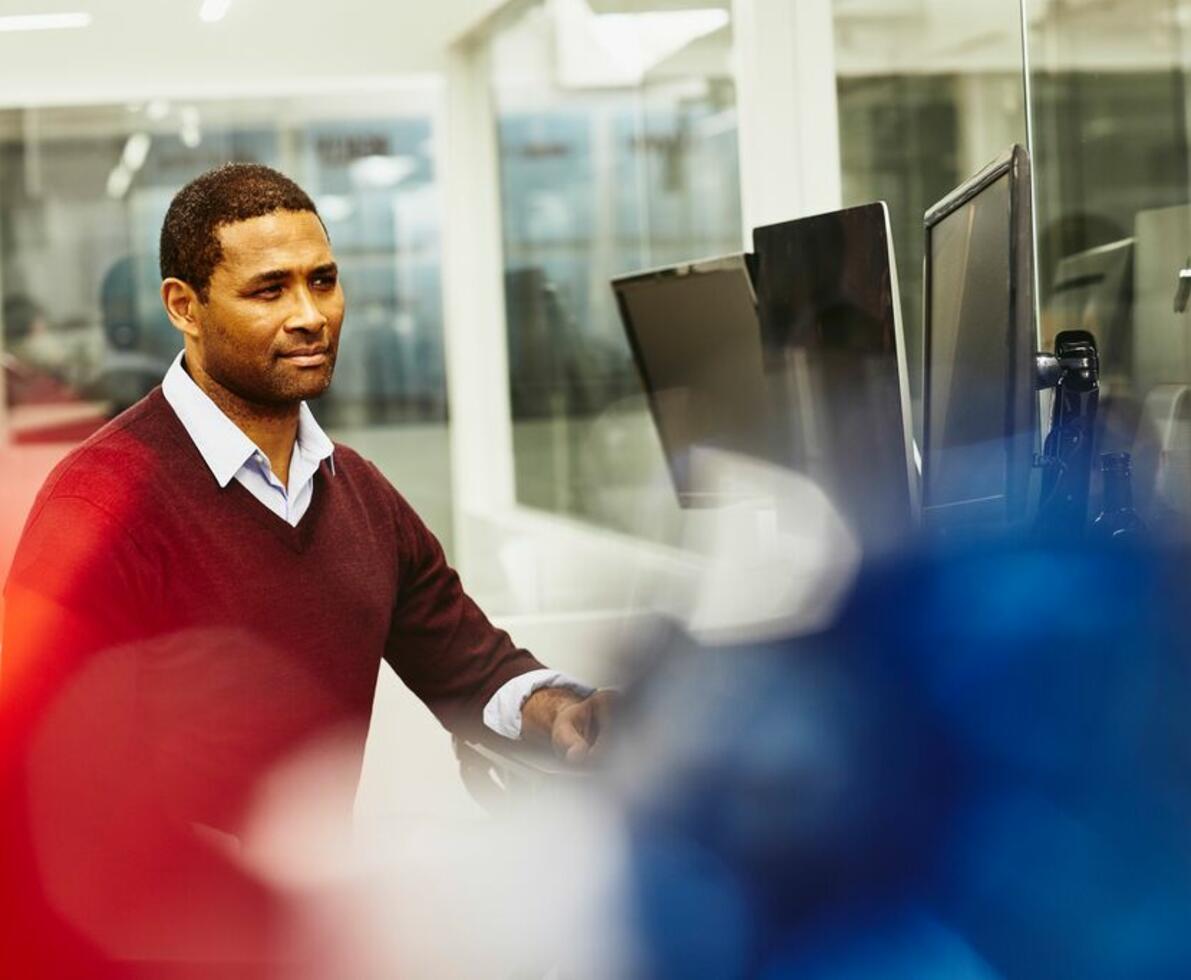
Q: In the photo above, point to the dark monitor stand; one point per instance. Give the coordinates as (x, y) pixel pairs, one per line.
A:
(1073, 371)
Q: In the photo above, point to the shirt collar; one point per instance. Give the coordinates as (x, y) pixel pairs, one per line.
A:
(313, 442)
(222, 444)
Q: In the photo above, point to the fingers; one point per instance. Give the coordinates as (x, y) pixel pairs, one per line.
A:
(603, 706)
(569, 734)
(578, 727)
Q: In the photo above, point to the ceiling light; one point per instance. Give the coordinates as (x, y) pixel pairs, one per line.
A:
(119, 180)
(44, 22)
(650, 37)
(335, 207)
(135, 151)
(381, 171)
(213, 10)
(618, 49)
(157, 109)
(190, 131)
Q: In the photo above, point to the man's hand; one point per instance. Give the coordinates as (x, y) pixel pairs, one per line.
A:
(572, 724)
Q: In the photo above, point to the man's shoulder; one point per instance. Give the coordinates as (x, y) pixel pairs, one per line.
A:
(122, 456)
(366, 477)
(362, 475)
(358, 468)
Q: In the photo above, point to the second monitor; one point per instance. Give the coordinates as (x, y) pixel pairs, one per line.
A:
(836, 358)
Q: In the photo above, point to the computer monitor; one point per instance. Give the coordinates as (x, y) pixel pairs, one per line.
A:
(835, 354)
(980, 403)
(696, 342)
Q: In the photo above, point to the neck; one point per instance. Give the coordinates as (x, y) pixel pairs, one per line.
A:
(272, 428)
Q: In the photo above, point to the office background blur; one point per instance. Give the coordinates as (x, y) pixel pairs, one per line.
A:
(484, 168)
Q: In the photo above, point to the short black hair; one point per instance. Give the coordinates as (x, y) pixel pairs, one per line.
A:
(190, 248)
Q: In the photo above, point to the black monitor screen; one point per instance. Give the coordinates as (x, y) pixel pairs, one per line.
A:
(969, 360)
(697, 344)
(827, 290)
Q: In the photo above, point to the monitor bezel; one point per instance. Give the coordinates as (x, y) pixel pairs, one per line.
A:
(1012, 509)
(737, 262)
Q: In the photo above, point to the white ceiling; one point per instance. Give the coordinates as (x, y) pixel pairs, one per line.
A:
(137, 49)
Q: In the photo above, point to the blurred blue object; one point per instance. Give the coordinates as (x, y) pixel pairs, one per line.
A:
(982, 769)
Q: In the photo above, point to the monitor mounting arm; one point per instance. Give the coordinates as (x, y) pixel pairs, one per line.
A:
(1073, 370)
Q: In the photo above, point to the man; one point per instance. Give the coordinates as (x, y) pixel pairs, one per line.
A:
(207, 585)
(248, 574)
(250, 281)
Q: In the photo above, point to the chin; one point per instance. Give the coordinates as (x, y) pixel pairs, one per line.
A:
(310, 390)
(317, 390)
(303, 387)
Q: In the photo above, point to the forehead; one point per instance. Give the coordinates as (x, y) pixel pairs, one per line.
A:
(281, 240)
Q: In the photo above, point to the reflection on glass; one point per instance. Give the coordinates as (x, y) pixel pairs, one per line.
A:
(1108, 86)
(928, 93)
(609, 164)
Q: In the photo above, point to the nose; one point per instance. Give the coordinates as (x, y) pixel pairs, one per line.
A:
(306, 316)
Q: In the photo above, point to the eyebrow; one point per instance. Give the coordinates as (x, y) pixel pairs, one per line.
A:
(281, 275)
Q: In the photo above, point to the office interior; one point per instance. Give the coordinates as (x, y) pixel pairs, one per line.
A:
(485, 169)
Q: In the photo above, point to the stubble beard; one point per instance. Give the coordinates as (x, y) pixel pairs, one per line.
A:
(277, 390)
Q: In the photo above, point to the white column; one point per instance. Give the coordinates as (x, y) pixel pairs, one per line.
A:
(473, 296)
(786, 102)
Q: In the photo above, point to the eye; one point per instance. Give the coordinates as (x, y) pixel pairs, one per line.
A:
(325, 281)
(268, 292)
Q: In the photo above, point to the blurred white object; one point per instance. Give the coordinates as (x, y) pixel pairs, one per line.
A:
(778, 560)
(521, 896)
(1167, 414)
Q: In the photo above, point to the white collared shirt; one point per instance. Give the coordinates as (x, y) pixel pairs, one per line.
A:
(230, 454)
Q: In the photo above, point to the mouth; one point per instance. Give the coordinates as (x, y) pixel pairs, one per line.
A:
(306, 357)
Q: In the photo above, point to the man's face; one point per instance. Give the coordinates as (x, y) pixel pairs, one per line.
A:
(269, 330)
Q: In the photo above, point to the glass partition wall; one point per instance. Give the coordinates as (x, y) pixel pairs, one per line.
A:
(1108, 102)
(616, 156)
(616, 130)
(928, 91)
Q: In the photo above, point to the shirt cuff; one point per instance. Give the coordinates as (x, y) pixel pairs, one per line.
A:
(502, 713)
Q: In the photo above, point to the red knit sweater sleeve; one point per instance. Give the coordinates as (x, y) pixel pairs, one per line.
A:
(441, 644)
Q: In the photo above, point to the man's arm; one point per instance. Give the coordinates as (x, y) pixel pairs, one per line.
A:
(440, 643)
(468, 672)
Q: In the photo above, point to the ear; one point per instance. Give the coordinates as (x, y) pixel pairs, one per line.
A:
(181, 306)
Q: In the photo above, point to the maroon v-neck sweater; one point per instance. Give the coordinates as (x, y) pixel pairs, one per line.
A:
(166, 643)
(230, 616)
